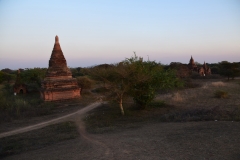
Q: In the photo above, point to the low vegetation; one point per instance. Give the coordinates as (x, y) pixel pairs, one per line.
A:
(31, 141)
(6, 77)
(190, 104)
(30, 105)
(107, 118)
(21, 106)
(84, 83)
(135, 78)
(229, 70)
(149, 92)
(221, 94)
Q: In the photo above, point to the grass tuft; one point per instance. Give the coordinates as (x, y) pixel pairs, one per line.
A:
(221, 94)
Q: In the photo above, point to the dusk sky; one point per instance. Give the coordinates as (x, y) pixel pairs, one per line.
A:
(94, 32)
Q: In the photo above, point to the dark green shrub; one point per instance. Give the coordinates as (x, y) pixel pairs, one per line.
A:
(84, 83)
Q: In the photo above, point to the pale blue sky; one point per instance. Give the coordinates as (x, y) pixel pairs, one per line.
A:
(93, 32)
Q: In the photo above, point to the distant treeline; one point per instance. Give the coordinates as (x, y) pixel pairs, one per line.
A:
(36, 75)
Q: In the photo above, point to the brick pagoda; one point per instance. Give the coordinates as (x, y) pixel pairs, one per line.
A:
(58, 83)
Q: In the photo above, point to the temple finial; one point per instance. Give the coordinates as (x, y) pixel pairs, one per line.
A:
(56, 39)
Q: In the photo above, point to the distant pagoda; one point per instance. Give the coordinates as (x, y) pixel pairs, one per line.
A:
(192, 66)
(202, 70)
(58, 83)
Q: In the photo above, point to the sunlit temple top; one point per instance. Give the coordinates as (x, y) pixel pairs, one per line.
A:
(58, 83)
(56, 39)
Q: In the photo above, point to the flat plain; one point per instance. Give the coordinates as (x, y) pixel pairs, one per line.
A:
(193, 124)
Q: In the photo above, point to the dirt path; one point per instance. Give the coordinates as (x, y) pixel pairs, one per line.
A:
(157, 141)
(86, 140)
(98, 145)
(49, 122)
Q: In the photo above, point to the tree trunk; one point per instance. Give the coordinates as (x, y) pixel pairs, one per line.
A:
(81, 90)
(121, 107)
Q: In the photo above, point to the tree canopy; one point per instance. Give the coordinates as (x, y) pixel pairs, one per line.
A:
(229, 70)
(136, 78)
(146, 78)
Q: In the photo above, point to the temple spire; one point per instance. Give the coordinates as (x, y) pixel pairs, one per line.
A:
(57, 44)
(57, 57)
(56, 39)
(204, 65)
(191, 58)
(191, 61)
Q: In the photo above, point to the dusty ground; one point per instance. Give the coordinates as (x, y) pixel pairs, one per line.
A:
(203, 96)
(152, 140)
(145, 140)
(190, 140)
(66, 117)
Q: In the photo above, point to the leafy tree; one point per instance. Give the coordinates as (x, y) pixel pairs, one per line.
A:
(33, 76)
(182, 70)
(215, 70)
(6, 77)
(7, 70)
(1, 77)
(228, 69)
(136, 78)
(198, 64)
(79, 71)
(84, 82)
(146, 78)
(115, 78)
(76, 72)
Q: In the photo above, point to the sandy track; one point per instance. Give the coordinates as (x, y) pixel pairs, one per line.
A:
(49, 122)
(85, 140)
(155, 141)
(151, 141)
(98, 145)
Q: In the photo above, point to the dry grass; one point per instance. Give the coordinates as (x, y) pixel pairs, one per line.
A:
(218, 84)
(30, 105)
(221, 94)
(177, 97)
(204, 97)
(192, 104)
(41, 138)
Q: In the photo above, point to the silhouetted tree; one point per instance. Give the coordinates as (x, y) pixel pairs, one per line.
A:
(6, 77)
(229, 70)
(7, 70)
(33, 75)
(115, 78)
(84, 83)
(182, 70)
